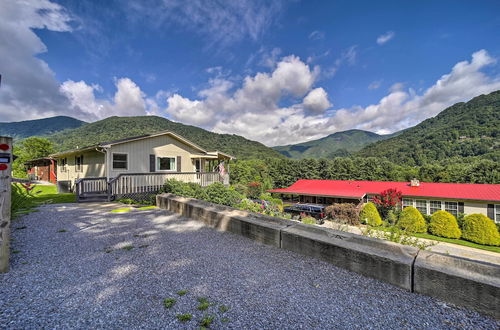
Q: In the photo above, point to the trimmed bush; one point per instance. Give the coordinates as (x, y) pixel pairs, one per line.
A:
(217, 193)
(480, 229)
(369, 215)
(444, 224)
(412, 220)
(344, 213)
(308, 220)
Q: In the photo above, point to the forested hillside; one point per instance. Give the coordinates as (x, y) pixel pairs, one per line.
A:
(462, 130)
(338, 144)
(114, 128)
(37, 127)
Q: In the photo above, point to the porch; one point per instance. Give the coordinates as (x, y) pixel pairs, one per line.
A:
(138, 186)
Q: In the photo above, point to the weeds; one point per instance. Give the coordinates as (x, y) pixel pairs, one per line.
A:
(204, 304)
(206, 321)
(223, 308)
(168, 302)
(182, 292)
(184, 317)
(62, 231)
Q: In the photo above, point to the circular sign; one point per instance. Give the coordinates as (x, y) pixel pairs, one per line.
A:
(4, 146)
(3, 167)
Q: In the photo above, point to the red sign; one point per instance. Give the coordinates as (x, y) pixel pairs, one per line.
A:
(4, 146)
(3, 167)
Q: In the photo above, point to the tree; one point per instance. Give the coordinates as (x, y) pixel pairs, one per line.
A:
(28, 149)
(370, 215)
(387, 200)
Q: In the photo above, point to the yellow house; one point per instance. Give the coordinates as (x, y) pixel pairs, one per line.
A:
(163, 154)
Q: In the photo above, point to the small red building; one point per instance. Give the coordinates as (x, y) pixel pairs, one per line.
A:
(43, 169)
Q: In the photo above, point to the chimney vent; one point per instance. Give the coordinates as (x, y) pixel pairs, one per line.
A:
(414, 183)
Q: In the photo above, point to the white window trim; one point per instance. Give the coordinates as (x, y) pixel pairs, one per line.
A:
(497, 219)
(158, 163)
(76, 164)
(119, 169)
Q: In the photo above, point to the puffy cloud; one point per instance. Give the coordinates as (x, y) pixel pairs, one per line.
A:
(29, 88)
(317, 101)
(128, 100)
(382, 39)
(255, 110)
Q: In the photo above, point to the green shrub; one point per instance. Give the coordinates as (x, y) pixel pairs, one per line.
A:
(369, 215)
(254, 189)
(444, 224)
(308, 220)
(217, 193)
(392, 217)
(480, 229)
(248, 205)
(412, 220)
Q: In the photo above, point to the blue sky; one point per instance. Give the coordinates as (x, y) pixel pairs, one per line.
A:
(278, 72)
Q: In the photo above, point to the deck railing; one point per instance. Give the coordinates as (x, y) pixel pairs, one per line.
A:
(90, 186)
(127, 185)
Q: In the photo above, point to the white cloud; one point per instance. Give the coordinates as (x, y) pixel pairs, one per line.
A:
(254, 110)
(382, 39)
(220, 22)
(375, 84)
(317, 35)
(29, 88)
(128, 100)
(317, 101)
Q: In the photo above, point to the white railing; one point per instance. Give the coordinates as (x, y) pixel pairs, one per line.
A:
(88, 186)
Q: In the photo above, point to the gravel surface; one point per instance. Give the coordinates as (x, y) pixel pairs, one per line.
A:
(81, 266)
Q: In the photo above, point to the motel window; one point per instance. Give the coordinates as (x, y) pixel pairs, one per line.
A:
(120, 161)
(407, 202)
(421, 205)
(435, 206)
(166, 164)
(64, 163)
(320, 200)
(79, 163)
(451, 207)
(497, 213)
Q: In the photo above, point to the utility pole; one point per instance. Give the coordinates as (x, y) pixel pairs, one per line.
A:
(5, 201)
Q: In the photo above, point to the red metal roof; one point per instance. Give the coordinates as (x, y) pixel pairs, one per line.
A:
(357, 189)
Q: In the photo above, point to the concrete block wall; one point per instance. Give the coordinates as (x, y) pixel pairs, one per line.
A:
(464, 282)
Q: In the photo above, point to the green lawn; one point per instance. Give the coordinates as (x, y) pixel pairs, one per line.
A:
(24, 202)
(450, 240)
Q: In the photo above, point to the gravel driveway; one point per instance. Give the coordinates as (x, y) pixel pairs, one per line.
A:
(82, 266)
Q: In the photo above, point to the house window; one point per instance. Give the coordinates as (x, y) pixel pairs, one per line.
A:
(79, 163)
(407, 202)
(497, 213)
(435, 206)
(120, 161)
(421, 205)
(166, 164)
(64, 163)
(451, 207)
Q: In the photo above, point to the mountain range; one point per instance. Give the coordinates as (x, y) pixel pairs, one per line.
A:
(339, 144)
(470, 129)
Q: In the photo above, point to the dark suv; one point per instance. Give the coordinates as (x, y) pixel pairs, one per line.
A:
(315, 211)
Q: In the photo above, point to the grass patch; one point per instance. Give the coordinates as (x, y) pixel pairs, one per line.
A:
(459, 242)
(127, 247)
(146, 207)
(168, 302)
(24, 201)
(184, 317)
(450, 240)
(62, 231)
(223, 308)
(204, 304)
(182, 292)
(206, 321)
(121, 210)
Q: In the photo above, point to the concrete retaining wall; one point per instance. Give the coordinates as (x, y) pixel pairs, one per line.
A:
(465, 282)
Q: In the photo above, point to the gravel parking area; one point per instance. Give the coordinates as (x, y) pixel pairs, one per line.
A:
(82, 266)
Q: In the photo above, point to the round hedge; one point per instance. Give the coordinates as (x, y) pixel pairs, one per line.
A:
(444, 224)
(412, 220)
(478, 228)
(370, 215)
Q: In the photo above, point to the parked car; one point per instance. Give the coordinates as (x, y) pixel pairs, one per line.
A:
(315, 211)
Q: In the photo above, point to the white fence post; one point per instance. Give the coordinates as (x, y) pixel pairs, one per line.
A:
(5, 190)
